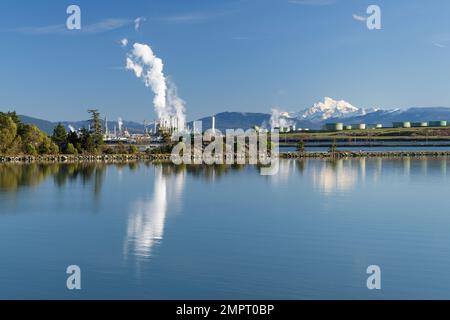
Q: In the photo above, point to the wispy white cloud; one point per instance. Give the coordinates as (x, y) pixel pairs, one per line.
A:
(441, 40)
(313, 2)
(138, 22)
(192, 17)
(439, 45)
(359, 18)
(98, 27)
(124, 42)
(184, 18)
(106, 25)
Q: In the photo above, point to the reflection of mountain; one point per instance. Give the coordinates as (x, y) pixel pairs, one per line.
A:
(147, 218)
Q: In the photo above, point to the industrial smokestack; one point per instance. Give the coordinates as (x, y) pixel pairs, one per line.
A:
(120, 124)
(214, 123)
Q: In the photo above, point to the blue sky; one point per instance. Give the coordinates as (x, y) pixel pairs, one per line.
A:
(248, 55)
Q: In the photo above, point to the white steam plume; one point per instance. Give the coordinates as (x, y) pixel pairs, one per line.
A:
(146, 65)
(120, 124)
(177, 104)
(277, 120)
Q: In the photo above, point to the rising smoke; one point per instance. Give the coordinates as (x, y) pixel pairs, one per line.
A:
(278, 120)
(147, 66)
(120, 124)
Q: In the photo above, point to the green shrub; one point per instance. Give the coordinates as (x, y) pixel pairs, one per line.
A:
(70, 149)
(133, 149)
(29, 149)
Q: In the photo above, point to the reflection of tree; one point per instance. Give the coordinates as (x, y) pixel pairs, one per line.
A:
(16, 176)
(206, 172)
(301, 165)
(13, 176)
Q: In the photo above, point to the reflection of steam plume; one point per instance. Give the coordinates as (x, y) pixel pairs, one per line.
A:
(146, 221)
(168, 106)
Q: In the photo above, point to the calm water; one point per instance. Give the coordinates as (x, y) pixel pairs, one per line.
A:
(163, 232)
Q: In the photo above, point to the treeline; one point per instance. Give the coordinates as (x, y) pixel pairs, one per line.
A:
(19, 138)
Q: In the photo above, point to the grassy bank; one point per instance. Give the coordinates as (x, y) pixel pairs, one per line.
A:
(386, 134)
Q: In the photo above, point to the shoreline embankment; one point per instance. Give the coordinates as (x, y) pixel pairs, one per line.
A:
(166, 157)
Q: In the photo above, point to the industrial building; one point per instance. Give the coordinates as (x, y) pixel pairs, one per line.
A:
(334, 126)
(359, 126)
(438, 123)
(404, 124)
(419, 124)
(170, 125)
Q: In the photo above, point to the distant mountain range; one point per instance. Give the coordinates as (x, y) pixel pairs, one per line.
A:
(315, 117)
(48, 126)
(324, 112)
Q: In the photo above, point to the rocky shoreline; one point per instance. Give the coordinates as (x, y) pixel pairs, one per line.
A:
(74, 158)
(166, 157)
(365, 154)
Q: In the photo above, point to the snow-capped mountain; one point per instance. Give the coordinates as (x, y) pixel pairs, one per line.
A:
(331, 108)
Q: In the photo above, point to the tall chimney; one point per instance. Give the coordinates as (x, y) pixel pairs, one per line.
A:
(214, 123)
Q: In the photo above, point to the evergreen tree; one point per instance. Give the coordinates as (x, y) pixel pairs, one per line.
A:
(8, 132)
(60, 136)
(333, 147)
(96, 127)
(301, 146)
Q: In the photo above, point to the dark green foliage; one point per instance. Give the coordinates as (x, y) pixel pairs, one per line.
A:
(301, 146)
(333, 147)
(70, 149)
(18, 138)
(60, 136)
(133, 149)
(96, 127)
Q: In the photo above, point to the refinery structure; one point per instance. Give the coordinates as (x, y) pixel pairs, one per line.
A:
(117, 132)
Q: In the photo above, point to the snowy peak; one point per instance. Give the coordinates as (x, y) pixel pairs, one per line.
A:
(330, 108)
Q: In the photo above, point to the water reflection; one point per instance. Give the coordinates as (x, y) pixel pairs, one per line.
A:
(147, 216)
(336, 175)
(343, 175)
(13, 177)
(328, 174)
